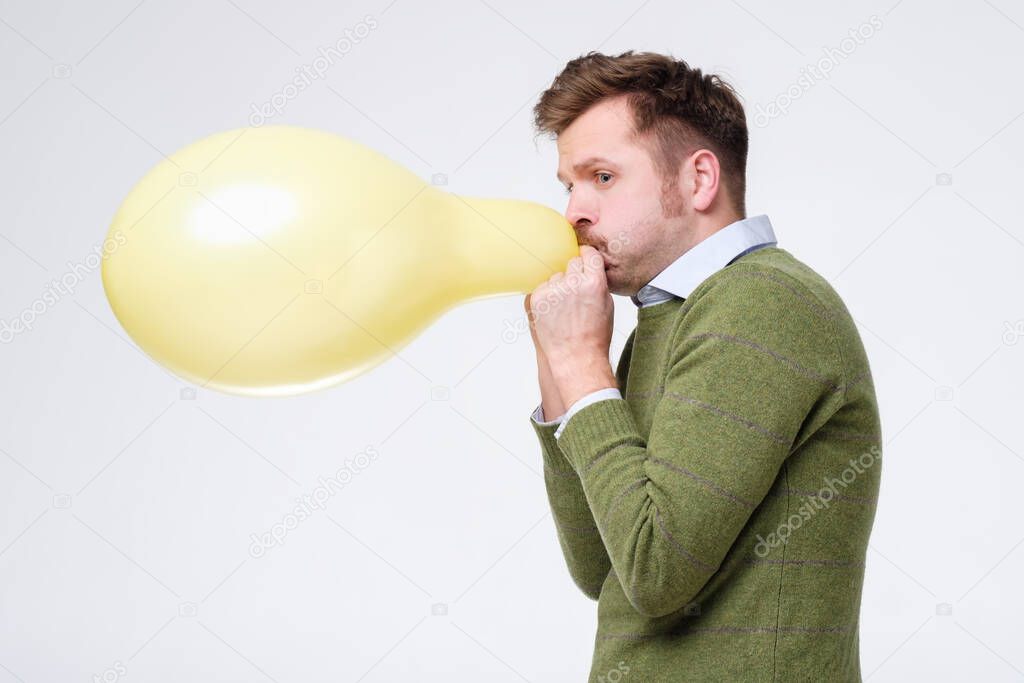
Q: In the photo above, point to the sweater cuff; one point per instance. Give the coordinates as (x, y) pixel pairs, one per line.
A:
(552, 454)
(597, 428)
(592, 397)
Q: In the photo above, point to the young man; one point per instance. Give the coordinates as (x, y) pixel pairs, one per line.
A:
(715, 493)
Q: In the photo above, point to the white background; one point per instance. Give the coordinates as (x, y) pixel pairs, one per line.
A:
(127, 509)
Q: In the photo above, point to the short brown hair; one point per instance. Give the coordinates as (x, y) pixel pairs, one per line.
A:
(682, 109)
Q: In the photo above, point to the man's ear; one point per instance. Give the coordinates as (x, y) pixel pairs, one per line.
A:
(705, 178)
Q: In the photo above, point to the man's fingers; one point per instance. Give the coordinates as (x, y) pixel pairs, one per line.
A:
(593, 269)
(575, 266)
(591, 259)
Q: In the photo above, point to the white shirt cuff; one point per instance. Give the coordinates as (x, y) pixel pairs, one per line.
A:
(538, 417)
(593, 397)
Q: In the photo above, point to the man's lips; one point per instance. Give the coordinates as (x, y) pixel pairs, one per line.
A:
(606, 264)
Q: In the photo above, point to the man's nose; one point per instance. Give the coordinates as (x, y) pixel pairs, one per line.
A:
(579, 213)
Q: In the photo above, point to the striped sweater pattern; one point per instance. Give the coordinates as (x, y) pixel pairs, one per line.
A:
(720, 511)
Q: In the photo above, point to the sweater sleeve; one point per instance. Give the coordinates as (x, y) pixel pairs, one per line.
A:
(746, 364)
(580, 404)
(578, 536)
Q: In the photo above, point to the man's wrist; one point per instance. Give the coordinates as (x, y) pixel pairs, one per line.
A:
(579, 376)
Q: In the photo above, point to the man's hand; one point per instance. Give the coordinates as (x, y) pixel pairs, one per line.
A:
(551, 402)
(571, 318)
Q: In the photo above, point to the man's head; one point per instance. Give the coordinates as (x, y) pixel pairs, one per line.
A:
(652, 153)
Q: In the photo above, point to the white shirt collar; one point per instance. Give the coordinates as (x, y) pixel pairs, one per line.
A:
(706, 258)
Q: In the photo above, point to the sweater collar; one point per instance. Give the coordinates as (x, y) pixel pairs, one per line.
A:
(705, 258)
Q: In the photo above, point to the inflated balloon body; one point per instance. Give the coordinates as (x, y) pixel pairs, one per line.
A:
(279, 260)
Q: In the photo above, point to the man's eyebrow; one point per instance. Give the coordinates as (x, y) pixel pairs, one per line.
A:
(580, 165)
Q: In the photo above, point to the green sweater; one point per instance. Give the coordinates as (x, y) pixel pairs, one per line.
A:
(720, 511)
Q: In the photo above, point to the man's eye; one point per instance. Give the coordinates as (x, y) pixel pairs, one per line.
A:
(568, 188)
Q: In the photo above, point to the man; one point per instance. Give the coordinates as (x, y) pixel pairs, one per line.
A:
(715, 493)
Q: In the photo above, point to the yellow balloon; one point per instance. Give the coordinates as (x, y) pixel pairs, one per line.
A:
(279, 260)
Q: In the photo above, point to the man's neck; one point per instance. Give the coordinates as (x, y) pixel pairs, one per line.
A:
(706, 226)
(703, 227)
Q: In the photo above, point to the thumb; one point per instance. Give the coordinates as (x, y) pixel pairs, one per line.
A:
(530, 319)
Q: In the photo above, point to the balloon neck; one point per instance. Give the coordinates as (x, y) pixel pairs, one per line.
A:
(509, 246)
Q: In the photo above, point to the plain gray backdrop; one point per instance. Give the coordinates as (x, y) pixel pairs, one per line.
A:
(130, 500)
